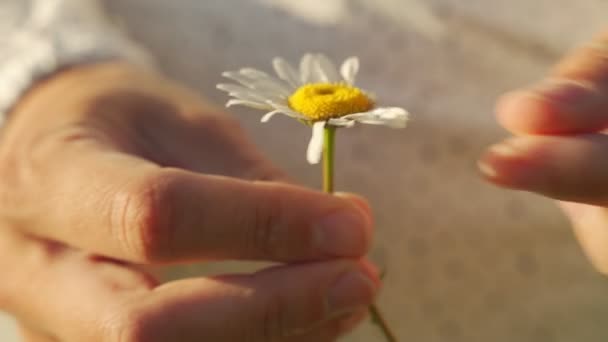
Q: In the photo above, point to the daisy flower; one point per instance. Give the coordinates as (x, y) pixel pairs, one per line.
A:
(318, 94)
(322, 97)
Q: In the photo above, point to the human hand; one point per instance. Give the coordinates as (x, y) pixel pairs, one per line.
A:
(106, 170)
(560, 148)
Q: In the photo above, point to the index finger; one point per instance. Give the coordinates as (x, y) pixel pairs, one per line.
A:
(124, 207)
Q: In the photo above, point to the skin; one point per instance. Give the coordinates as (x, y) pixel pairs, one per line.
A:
(559, 147)
(108, 171)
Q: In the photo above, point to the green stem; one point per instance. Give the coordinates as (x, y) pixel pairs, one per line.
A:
(329, 142)
(381, 322)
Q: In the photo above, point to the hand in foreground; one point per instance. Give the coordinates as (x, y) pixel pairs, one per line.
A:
(106, 170)
(560, 149)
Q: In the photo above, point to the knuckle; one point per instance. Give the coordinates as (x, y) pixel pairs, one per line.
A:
(142, 214)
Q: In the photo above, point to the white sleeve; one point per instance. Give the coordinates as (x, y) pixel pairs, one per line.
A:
(37, 37)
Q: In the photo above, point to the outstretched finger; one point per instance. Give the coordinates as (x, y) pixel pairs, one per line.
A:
(569, 168)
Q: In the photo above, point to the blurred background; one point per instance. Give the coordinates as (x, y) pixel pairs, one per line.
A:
(465, 261)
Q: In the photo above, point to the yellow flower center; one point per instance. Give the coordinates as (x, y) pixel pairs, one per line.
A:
(323, 101)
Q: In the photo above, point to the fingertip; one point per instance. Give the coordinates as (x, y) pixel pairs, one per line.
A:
(345, 233)
(486, 169)
(348, 229)
(358, 200)
(510, 163)
(362, 204)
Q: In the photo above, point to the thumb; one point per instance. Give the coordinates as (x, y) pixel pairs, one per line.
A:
(309, 302)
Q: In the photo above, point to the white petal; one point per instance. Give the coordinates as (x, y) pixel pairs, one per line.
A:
(231, 88)
(284, 108)
(390, 116)
(249, 96)
(270, 96)
(252, 104)
(326, 69)
(340, 122)
(269, 115)
(315, 146)
(253, 73)
(272, 87)
(261, 80)
(286, 72)
(306, 68)
(258, 80)
(350, 69)
(238, 77)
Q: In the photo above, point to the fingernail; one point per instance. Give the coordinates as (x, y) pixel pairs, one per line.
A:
(371, 269)
(514, 147)
(564, 91)
(357, 200)
(486, 169)
(509, 149)
(350, 292)
(508, 163)
(342, 234)
(504, 150)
